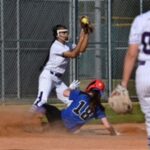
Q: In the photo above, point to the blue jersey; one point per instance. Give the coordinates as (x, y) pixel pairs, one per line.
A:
(79, 112)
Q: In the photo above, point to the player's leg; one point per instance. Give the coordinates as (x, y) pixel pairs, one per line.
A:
(143, 92)
(53, 115)
(145, 107)
(60, 87)
(46, 84)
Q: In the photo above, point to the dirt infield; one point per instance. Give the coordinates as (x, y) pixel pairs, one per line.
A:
(16, 133)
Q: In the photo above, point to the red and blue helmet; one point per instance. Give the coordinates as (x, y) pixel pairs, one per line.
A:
(97, 85)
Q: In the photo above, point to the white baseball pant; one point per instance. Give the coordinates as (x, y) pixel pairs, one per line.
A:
(47, 82)
(143, 91)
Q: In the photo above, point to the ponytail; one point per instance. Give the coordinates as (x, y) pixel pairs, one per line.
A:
(95, 101)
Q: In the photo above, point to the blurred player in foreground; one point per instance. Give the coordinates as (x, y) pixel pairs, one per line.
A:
(60, 53)
(85, 106)
(139, 48)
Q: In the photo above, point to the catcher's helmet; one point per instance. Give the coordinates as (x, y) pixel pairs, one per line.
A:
(96, 85)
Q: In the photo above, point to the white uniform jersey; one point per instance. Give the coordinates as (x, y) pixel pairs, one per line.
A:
(58, 63)
(48, 78)
(140, 34)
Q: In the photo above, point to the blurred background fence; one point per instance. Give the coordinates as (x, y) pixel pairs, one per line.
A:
(25, 37)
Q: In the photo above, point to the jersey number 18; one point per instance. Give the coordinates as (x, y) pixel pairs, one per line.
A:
(83, 113)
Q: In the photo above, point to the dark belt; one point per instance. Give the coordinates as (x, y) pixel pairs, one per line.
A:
(56, 74)
(141, 62)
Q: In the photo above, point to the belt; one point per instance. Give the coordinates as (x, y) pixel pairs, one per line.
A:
(141, 62)
(56, 74)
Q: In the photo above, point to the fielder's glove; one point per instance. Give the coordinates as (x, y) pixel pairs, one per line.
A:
(75, 84)
(120, 101)
(86, 24)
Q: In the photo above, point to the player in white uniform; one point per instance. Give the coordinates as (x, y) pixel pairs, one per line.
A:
(139, 48)
(59, 55)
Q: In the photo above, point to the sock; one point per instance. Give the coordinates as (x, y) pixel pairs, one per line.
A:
(148, 141)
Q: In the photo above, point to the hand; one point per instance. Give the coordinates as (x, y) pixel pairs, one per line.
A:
(120, 101)
(118, 133)
(86, 24)
(120, 90)
(74, 84)
(115, 133)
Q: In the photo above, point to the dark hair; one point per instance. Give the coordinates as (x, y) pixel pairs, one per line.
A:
(95, 101)
(55, 28)
(45, 61)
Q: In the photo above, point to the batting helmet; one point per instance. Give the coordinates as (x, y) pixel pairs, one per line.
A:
(96, 85)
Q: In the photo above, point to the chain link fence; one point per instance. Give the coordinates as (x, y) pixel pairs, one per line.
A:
(25, 37)
(123, 13)
(25, 30)
(96, 62)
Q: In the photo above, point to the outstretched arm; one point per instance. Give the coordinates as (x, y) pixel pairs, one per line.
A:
(72, 86)
(66, 92)
(109, 127)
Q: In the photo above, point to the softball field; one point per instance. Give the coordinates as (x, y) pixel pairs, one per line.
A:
(18, 133)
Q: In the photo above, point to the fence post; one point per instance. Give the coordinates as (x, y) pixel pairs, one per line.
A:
(18, 48)
(2, 52)
(141, 6)
(74, 69)
(109, 49)
(98, 39)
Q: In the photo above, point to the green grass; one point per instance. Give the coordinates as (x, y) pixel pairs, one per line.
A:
(135, 117)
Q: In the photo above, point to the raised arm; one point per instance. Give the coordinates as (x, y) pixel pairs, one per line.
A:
(80, 47)
(86, 29)
(84, 43)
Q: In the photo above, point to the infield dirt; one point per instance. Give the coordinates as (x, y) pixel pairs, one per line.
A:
(19, 133)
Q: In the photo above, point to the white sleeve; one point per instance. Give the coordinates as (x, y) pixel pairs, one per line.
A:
(71, 46)
(135, 32)
(56, 50)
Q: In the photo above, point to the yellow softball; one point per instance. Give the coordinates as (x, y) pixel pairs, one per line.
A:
(85, 20)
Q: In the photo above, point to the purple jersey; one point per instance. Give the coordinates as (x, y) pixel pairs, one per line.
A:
(79, 112)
